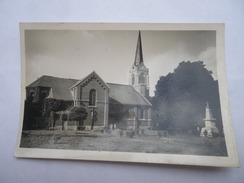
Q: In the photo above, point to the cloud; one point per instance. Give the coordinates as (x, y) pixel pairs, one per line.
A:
(208, 56)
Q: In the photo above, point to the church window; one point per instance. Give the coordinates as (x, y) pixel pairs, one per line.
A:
(142, 79)
(75, 93)
(133, 80)
(75, 97)
(43, 95)
(92, 97)
(81, 95)
(142, 114)
(32, 95)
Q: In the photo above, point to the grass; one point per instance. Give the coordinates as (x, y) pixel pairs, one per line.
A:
(97, 141)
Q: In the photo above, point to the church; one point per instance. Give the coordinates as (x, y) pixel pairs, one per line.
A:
(107, 104)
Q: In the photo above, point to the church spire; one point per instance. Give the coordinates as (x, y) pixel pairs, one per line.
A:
(138, 57)
(139, 74)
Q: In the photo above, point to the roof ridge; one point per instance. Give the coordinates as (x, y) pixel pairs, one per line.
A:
(119, 84)
(51, 79)
(58, 77)
(41, 79)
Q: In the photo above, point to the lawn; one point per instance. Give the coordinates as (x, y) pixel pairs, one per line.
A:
(146, 143)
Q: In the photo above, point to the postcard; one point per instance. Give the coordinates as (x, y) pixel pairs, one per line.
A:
(125, 92)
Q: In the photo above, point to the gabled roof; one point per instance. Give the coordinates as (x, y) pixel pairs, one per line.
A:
(127, 95)
(92, 75)
(59, 86)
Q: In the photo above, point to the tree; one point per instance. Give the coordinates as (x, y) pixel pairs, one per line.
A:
(78, 114)
(180, 97)
(53, 105)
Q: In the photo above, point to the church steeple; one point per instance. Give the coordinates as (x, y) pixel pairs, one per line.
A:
(139, 56)
(139, 78)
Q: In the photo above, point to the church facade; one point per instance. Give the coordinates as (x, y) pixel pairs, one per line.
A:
(107, 104)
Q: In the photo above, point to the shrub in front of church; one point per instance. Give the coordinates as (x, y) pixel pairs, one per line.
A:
(130, 134)
(78, 113)
(143, 131)
(102, 130)
(162, 133)
(64, 116)
(137, 132)
(105, 130)
(53, 105)
(121, 133)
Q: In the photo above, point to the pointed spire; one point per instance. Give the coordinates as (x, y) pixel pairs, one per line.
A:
(138, 57)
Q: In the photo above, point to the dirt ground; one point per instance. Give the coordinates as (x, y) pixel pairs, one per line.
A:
(146, 143)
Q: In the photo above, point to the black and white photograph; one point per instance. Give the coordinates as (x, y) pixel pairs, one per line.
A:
(130, 93)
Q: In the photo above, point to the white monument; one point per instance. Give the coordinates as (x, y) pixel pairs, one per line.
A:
(210, 124)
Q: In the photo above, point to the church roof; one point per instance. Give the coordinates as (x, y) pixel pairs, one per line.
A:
(60, 86)
(60, 89)
(90, 76)
(127, 95)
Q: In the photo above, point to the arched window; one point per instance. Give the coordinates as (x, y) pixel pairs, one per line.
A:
(142, 79)
(133, 80)
(142, 116)
(43, 95)
(92, 97)
(31, 96)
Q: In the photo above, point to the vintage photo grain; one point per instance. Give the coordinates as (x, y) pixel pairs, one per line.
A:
(150, 93)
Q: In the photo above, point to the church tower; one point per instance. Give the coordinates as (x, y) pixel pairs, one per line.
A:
(139, 77)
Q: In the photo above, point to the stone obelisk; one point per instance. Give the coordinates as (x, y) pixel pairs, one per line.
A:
(210, 124)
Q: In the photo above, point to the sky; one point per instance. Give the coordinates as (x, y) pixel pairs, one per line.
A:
(75, 54)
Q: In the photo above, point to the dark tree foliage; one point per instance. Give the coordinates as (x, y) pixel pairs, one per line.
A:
(180, 98)
(65, 116)
(78, 113)
(53, 105)
(32, 110)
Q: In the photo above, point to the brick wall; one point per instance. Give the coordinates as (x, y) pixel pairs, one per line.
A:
(101, 106)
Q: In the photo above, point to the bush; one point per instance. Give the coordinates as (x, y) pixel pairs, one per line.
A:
(165, 133)
(78, 113)
(81, 127)
(132, 134)
(142, 131)
(137, 131)
(54, 105)
(159, 134)
(106, 130)
(64, 116)
(121, 133)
